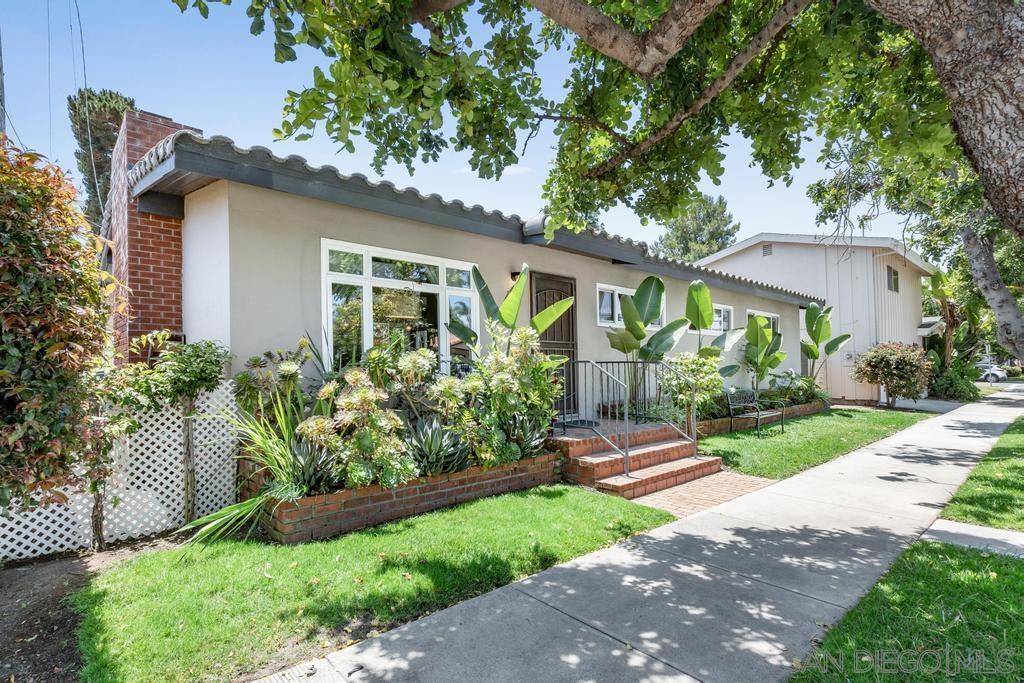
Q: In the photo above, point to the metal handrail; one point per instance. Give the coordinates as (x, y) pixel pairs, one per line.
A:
(693, 409)
(571, 404)
(625, 454)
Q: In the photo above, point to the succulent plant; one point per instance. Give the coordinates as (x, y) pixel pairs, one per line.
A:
(435, 449)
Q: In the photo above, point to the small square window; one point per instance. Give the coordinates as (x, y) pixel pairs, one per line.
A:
(892, 279)
(723, 319)
(457, 277)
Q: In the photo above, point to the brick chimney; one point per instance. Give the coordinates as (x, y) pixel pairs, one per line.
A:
(146, 249)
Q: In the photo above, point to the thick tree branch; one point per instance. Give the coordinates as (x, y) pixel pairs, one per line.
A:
(763, 39)
(422, 9)
(645, 54)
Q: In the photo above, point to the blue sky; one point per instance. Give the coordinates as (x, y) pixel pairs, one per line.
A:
(214, 75)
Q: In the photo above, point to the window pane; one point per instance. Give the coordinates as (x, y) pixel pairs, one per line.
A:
(345, 262)
(346, 324)
(457, 277)
(460, 309)
(409, 271)
(605, 306)
(726, 319)
(406, 315)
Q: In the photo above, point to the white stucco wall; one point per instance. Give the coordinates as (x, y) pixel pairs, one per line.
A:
(205, 272)
(275, 284)
(853, 281)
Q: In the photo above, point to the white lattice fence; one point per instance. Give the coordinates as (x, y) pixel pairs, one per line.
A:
(145, 495)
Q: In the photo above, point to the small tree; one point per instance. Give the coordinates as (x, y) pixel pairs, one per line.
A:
(53, 313)
(691, 379)
(902, 369)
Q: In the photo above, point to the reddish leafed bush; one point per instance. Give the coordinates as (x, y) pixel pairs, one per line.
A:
(53, 312)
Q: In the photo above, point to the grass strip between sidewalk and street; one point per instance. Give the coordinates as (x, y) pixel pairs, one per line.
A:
(993, 494)
(941, 613)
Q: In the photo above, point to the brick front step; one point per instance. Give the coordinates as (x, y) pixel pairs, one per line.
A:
(590, 444)
(587, 469)
(640, 482)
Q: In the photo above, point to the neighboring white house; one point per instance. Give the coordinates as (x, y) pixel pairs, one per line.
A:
(874, 283)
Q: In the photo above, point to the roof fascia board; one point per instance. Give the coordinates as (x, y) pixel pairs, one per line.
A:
(319, 186)
(162, 204)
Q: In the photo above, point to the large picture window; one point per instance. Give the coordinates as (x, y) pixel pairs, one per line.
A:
(372, 295)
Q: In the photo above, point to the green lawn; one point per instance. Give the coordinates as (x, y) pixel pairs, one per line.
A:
(993, 494)
(210, 615)
(808, 441)
(937, 602)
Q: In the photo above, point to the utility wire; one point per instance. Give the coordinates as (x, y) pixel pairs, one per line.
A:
(49, 82)
(85, 96)
(71, 32)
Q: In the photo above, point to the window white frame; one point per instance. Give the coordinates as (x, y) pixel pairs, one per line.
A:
(773, 318)
(711, 330)
(368, 281)
(615, 290)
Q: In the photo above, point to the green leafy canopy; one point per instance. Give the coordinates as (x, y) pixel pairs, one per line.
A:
(472, 84)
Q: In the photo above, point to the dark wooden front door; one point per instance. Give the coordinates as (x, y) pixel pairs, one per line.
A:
(560, 338)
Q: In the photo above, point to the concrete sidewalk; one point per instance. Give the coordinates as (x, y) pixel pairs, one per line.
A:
(735, 593)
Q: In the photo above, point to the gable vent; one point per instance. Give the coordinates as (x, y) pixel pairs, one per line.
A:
(766, 250)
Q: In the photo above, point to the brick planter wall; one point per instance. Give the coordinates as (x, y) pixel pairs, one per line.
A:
(331, 514)
(720, 425)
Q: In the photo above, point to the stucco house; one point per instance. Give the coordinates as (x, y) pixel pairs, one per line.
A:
(874, 283)
(252, 250)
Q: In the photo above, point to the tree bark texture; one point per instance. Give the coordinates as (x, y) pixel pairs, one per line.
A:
(189, 461)
(1009, 318)
(977, 48)
(98, 541)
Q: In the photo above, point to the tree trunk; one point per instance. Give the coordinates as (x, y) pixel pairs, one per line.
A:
(977, 48)
(98, 541)
(1009, 319)
(188, 407)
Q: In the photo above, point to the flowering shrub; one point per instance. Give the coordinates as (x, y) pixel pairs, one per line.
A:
(53, 298)
(903, 369)
(503, 408)
(372, 449)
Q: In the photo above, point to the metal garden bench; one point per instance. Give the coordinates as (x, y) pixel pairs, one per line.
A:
(744, 403)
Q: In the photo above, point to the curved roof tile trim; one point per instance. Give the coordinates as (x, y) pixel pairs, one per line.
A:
(164, 150)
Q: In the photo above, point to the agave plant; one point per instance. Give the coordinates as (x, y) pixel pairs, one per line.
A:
(530, 435)
(507, 313)
(435, 449)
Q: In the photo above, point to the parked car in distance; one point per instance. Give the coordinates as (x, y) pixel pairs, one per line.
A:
(991, 372)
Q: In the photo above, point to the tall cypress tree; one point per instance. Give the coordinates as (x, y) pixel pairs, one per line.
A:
(106, 109)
